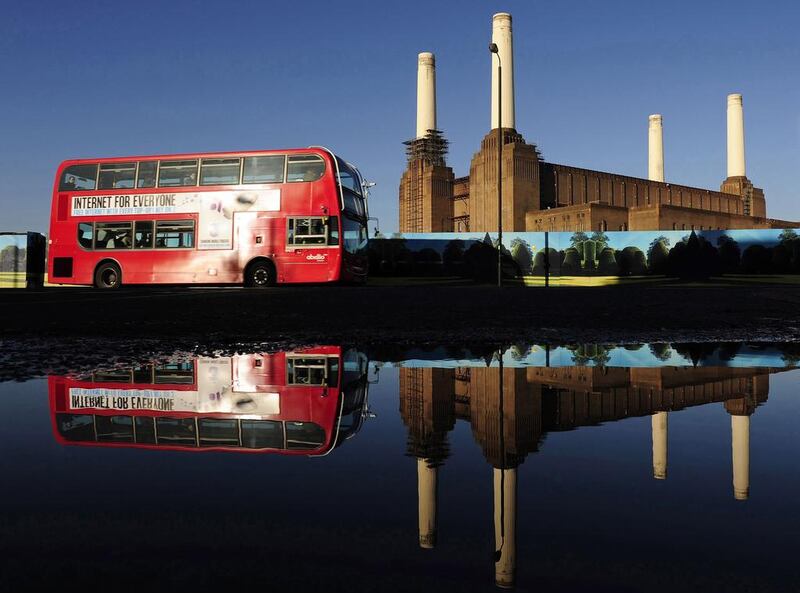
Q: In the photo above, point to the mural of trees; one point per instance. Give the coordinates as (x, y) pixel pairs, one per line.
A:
(521, 253)
(658, 254)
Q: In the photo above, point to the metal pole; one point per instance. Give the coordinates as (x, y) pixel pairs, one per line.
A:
(499, 172)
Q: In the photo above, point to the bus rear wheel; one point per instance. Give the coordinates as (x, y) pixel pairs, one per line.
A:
(260, 274)
(108, 276)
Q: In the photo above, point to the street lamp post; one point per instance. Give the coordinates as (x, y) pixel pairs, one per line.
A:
(493, 49)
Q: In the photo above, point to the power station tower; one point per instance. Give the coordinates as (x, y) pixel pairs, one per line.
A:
(520, 168)
(737, 182)
(426, 187)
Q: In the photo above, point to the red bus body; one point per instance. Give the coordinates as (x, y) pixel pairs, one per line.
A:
(290, 403)
(233, 224)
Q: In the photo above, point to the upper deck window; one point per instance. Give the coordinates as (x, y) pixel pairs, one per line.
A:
(304, 167)
(117, 176)
(263, 169)
(78, 178)
(147, 174)
(219, 172)
(177, 173)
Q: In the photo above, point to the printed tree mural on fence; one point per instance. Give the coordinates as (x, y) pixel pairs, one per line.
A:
(657, 255)
(521, 254)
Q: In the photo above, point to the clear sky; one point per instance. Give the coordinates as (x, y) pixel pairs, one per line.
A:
(83, 79)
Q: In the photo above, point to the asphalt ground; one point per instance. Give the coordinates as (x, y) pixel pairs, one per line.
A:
(59, 328)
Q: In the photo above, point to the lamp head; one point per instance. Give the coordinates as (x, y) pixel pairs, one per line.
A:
(493, 48)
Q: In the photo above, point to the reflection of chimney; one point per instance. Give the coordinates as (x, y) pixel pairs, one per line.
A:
(505, 520)
(426, 492)
(740, 448)
(655, 144)
(735, 136)
(426, 93)
(501, 35)
(659, 427)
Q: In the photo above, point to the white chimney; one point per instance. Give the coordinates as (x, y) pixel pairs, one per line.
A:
(426, 500)
(426, 93)
(740, 449)
(659, 433)
(735, 136)
(655, 143)
(501, 35)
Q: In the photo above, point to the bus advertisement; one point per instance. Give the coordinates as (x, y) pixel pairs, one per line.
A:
(252, 218)
(303, 402)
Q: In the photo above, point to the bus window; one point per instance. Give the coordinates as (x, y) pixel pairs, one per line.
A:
(143, 234)
(263, 169)
(113, 235)
(307, 231)
(216, 432)
(306, 371)
(178, 373)
(85, 234)
(114, 429)
(112, 376)
(177, 173)
(116, 176)
(304, 435)
(147, 174)
(175, 431)
(219, 172)
(174, 234)
(78, 178)
(145, 430)
(76, 427)
(262, 434)
(304, 167)
(333, 230)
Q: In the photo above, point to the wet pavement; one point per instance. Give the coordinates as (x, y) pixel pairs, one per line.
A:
(655, 467)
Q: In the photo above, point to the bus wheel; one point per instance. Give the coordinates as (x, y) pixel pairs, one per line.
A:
(260, 274)
(108, 275)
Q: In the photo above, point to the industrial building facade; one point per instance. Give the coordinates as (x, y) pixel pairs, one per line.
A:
(543, 196)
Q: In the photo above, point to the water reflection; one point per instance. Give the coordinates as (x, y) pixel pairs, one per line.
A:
(303, 402)
(309, 401)
(511, 410)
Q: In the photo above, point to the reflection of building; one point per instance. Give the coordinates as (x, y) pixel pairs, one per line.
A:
(544, 196)
(303, 402)
(510, 411)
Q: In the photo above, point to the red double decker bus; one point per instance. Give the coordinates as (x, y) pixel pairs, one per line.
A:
(253, 218)
(304, 402)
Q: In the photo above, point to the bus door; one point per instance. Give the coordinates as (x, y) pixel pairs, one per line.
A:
(308, 257)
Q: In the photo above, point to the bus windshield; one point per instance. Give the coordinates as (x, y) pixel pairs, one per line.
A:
(355, 236)
(350, 182)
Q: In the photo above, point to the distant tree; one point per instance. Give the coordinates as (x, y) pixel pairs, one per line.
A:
(693, 258)
(12, 259)
(788, 235)
(480, 260)
(453, 256)
(555, 258)
(729, 255)
(601, 239)
(521, 253)
(607, 265)
(632, 262)
(572, 262)
(658, 254)
(590, 251)
(661, 351)
(577, 241)
(781, 258)
(756, 259)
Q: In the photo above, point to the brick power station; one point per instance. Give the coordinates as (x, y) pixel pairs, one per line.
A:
(543, 196)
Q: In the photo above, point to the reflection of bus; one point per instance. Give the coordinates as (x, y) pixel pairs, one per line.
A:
(256, 218)
(302, 402)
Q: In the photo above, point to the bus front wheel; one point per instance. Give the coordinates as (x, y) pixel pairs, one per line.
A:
(108, 276)
(260, 274)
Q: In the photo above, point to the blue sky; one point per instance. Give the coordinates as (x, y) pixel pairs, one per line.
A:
(86, 79)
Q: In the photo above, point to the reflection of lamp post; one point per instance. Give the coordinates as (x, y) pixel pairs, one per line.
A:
(493, 49)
